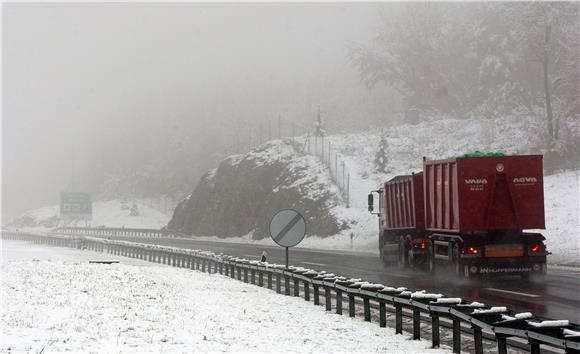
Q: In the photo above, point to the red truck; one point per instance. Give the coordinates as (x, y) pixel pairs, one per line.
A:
(469, 213)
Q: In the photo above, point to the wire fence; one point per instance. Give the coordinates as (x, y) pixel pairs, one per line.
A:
(303, 140)
(322, 148)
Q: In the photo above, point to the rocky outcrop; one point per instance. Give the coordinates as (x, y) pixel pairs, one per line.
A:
(245, 191)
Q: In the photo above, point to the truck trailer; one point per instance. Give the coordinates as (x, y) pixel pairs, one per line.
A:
(465, 213)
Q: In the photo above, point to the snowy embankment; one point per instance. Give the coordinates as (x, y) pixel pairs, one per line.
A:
(407, 144)
(54, 300)
(111, 213)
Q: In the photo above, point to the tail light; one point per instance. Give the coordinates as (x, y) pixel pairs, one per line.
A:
(472, 250)
(537, 248)
(422, 245)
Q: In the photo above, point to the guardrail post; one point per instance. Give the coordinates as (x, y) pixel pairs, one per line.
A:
(351, 309)
(221, 267)
(338, 302)
(435, 338)
(174, 261)
(306, 291)
(233, 271)
(245, 275)
(296, 287)
(327, 298)
(534, 347)
(478, 340)
(278, 284)
(260, 278)
(203, 265)
(456, 335)
(382, 314)
(398, 319)
(269, 280)
(239, 273)
(316, 294)
(286, 285)
(416, 324)
(501, 344)
(367, 308)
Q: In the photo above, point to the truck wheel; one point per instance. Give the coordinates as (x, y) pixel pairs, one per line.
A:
(382, 256)
(457, 267)
(402, 259)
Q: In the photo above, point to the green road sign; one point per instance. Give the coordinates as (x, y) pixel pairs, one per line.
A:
(76, 205)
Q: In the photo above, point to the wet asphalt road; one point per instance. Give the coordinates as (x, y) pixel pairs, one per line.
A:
(556, 296)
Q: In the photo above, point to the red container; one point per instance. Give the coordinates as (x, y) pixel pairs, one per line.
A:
(479, 194)
(404, 202)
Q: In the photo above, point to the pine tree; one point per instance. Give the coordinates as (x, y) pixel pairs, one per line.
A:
(134, 210)
(318, 128)
(381, 161)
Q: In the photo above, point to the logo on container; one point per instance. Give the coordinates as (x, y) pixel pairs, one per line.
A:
(525, 181)
(476, 181)
(476, 184)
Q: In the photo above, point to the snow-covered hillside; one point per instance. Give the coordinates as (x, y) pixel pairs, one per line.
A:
(55, 301)
(111, 213)
(407, 144)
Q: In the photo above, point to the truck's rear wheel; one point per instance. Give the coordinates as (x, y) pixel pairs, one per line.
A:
(457, 266)
(403, 260)
(383, 257)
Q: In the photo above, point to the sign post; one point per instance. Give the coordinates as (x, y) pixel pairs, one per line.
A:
(287, 229)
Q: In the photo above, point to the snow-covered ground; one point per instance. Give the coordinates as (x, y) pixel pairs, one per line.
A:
(407, 144)
(54, 300)
(111, 213)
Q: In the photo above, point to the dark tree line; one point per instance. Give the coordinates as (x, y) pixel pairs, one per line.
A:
(488, 59)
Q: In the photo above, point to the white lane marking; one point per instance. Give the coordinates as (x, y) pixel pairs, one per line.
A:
(512, 292)
(315, 264)
(399, 275)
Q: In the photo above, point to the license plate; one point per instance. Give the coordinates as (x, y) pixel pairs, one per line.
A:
(497, 251)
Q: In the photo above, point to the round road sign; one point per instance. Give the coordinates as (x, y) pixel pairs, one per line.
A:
(287, 228)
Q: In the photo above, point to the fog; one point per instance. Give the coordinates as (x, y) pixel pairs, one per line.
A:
(90, 90)
(141, 99)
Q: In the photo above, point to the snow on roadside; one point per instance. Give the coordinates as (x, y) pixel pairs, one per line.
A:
(54, 300)
(562, 207)
(110, 213)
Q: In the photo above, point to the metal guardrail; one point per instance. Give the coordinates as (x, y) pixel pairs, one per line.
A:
(264, 274)
(119, 231)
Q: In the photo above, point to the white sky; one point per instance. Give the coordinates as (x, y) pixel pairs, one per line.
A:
(76, 73)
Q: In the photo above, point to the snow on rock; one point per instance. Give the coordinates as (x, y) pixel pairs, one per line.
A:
(54, 300)
(238, 200)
